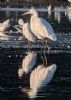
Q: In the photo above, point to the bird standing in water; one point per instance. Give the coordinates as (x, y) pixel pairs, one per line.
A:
(40, 27)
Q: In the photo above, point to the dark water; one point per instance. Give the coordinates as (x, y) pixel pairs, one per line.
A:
(11, 59)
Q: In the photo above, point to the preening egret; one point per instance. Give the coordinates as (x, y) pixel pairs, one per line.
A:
(27, 63)
(39, 77)
(40, 27)
(4, 25)
(26, 31)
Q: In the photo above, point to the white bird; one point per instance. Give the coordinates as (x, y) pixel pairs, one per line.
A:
(49, 11)
(39, 77)
(68, 13)
(69, 0)
(4, 25)
(57, 14)
(27, 63)
(26, 31)
(40, 27)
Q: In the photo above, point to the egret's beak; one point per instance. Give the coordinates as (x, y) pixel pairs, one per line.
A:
(27, 13)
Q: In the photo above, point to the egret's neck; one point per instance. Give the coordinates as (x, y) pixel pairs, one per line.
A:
(34, 17)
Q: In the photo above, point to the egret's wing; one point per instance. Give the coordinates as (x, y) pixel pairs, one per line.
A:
(46, 26)
(6, 23)
(2, 34)
(1, 24)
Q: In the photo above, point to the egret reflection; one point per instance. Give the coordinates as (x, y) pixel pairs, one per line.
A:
(39, 78)
(27, 64)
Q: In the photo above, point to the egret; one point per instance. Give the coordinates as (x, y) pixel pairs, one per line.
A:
(68, 13)
(39, 78)
(26, 31)
(40, 27)
(49, 11)
(27, 63)
(57, 14)
(4, 25)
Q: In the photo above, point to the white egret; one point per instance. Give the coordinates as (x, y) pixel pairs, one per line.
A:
(57, 14)
(39, 77)
(49, 11)
(68, 13)
(4, 25)
(40, 27)
(26, 31)
(27, 63)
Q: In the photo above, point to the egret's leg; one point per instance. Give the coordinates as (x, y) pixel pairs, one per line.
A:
(42, 55)
(29, 44)
(46, 45)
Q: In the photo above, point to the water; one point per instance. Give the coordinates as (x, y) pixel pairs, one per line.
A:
(11, 59)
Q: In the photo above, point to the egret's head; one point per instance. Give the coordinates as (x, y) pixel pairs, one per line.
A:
(21, 22)
(53, 37)
(32, 11)
(20, 72)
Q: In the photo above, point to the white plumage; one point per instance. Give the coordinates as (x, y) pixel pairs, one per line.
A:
(57, 14)
(4, 25)
(26, 31)
(27, 63)
(69, 0)
(69, 13)
(39, 77)
(40, 27)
